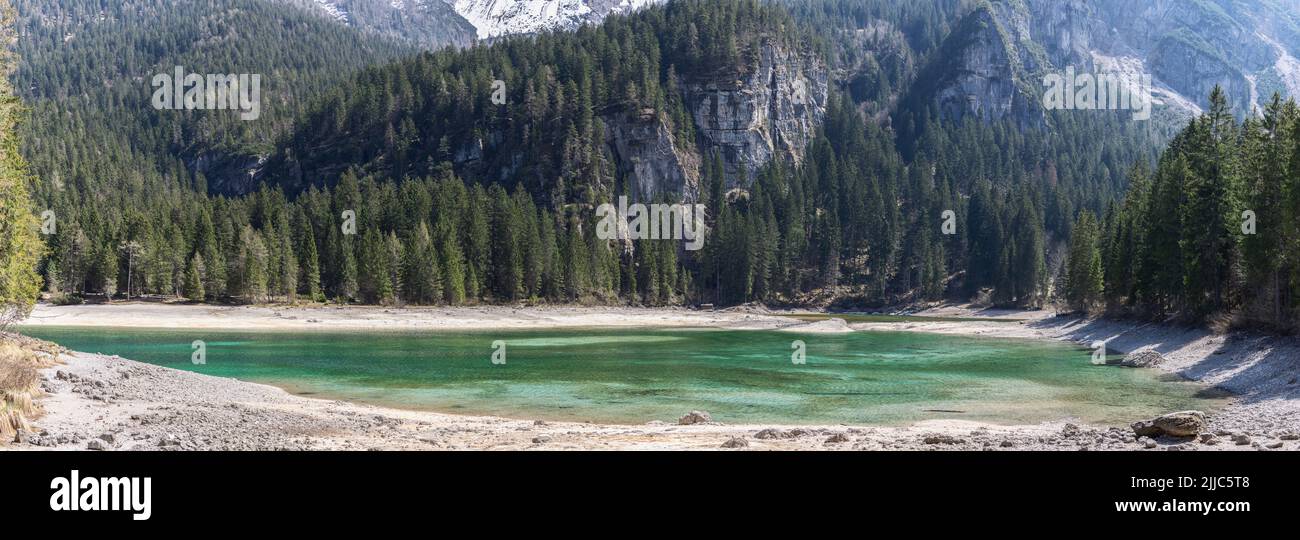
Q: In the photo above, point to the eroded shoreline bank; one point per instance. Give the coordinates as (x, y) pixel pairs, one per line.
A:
(96, 401)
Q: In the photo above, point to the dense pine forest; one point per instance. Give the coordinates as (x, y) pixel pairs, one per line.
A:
(1210, 233)
(86, 82)
(1079, 211)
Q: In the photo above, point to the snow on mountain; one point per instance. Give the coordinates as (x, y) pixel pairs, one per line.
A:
(412, 19)
(495, 18)
(333, 9)
(426, 23)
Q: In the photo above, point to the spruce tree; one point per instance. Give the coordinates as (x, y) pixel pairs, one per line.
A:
(194, 279)
(309, 280)
(346, 289)
(374, 281)
(1210, 216)
(454, 276)
(20, 246)
(420, 273)
(1084, 273)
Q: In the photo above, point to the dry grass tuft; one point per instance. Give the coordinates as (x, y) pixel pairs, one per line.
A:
(21, 358)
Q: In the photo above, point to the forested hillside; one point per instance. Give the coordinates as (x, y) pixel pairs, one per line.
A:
(855, 194)
(86, 80)
(845, 218)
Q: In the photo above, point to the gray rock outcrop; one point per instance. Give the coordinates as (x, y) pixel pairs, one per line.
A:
(1175, 424)
(772, 111)
(694, 417)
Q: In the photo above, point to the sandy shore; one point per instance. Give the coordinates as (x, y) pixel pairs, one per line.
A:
(151, 315)
(101, 402)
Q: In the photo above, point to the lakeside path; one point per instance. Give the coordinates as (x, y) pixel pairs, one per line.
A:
(97, 401)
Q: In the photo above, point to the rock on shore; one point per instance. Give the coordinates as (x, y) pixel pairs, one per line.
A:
(1176, 424)
(1142, 359)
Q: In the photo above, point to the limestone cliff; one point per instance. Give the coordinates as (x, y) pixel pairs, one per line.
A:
(770, 110)
(1248, 48)
(647, 155)
(991, 65)
(983, 70)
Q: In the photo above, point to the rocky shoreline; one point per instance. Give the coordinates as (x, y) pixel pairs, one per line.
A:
(97, 402)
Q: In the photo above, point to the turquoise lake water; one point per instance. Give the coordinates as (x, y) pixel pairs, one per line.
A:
(639, 375)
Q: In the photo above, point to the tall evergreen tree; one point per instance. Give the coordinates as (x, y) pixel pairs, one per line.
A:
(194, 279)
(421, 276)
(1210, 216)
(20, 246)
(1084, 286)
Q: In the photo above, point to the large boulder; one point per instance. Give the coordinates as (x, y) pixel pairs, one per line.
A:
(1182, 423)
(1146, 428)
(1175, 424)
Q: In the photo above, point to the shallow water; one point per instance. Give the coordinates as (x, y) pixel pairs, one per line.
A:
(634, 376)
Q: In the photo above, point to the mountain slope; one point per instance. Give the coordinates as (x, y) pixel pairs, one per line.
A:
(89, 65)
(1188, 47)
(429, 24)
(496, 18)
(1247, 47)
(980, 71)
(652, 95)
(775, 125)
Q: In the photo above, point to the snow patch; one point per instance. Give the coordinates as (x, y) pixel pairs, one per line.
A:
(495, 18)
(333, 10)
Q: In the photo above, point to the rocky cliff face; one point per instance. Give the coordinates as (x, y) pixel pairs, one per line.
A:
(984, 69)
(770, 111)
(773, 111)
(647, 155)
(229, 173)
(1248, 48)
(983, 77)
(991, 65)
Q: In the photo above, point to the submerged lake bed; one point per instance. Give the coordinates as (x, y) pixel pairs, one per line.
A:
(632, 376)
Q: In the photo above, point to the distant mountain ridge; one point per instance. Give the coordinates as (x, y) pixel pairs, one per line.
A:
(992, 65)
(429, 24)
(496, 18)
(1248, 48)
(439, 22)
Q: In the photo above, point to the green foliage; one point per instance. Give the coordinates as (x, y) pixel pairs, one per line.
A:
(421, 276)
(1187, 236)
(20, 246)
(193, 288)
(1083, 280)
